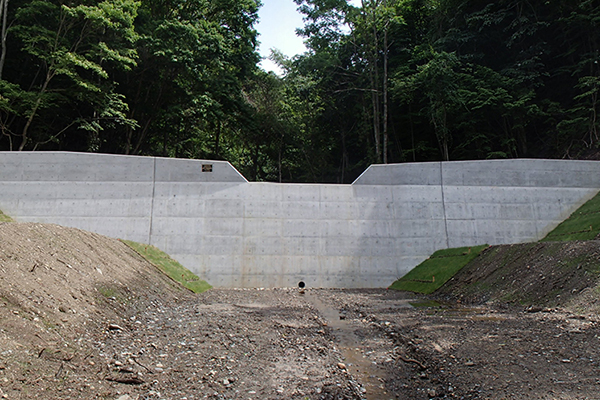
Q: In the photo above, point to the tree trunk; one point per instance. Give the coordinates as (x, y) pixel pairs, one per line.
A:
(217, 141)
(279, 163)
(385, 93)
(375, 97)
(36, 106)
(4, 13)
(371, 55)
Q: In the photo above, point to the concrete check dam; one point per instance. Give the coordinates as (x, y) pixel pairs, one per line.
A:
(235, 233)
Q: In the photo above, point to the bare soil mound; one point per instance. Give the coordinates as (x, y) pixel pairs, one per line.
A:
(61, 291)
(534, 275)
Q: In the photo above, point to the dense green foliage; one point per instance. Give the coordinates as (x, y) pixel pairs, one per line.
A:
(388, 81)
(418, 80)
(432, 273)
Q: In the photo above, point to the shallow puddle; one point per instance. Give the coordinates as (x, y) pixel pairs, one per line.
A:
(358, 365)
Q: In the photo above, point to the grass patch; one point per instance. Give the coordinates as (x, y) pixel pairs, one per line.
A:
(108, 292)
(5, 218)
(583, 224)
(113, 293)
(432, 273)
(170, 267)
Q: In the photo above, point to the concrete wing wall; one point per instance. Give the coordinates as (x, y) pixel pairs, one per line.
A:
(513, 201)
(239, 234)
(111, 195)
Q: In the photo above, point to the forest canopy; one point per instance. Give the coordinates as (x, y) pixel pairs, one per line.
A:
(388, 81)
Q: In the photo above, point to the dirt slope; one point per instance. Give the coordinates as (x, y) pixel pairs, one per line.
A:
(61, 291)
(536, 275)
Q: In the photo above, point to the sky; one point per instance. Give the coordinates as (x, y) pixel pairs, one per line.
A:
(277, 27)
(278, 20)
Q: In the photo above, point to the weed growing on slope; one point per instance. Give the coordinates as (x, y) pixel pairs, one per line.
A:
(5, 218)
(432, 273)
(583, 224)
(170, 267)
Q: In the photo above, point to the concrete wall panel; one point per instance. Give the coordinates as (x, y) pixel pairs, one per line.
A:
(533, 173)
(263, 209)
(264, 246)
(343, 210)
(73, 167)
(373, 210)
(263, 227)
(306, 210)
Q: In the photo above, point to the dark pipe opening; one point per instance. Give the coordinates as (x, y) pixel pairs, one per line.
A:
(301, 284)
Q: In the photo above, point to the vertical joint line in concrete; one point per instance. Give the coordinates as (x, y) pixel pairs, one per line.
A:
(444, 203)
(152, 202)
(536, 220)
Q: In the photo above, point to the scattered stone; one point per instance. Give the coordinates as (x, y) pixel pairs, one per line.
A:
(128, 379)
(534, 309)
(114, 327)
(342, 366)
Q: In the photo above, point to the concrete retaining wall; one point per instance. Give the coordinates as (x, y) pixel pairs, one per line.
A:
(234, 233)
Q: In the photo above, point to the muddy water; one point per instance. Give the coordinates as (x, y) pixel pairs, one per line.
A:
(358, 365)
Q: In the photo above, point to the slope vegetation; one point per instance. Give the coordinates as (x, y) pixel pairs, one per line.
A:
(549, 274)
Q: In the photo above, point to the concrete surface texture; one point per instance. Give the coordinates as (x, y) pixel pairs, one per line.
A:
(236, 233)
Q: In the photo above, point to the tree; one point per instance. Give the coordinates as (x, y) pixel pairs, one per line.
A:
(186, 92)
(70, 48)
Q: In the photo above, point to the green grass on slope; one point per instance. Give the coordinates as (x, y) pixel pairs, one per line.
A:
(170, 267)
(5, 218)
(432, 273)
(583, 224)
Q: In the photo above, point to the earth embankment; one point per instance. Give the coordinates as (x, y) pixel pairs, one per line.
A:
(535, 275)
